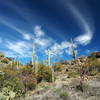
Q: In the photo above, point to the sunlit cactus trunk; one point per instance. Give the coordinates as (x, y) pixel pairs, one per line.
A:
(56, 59)
(73, 51)
(53, 75)
(14, 61)
(36, 65)
(33, 53)
(49, 57)
(11, 63)
(36, 71)
(18, 62)
(52, 70)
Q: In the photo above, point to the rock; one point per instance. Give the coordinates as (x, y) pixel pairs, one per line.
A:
(95, 54)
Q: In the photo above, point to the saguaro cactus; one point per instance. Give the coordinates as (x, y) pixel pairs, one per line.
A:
(49, 57)
(36, 65)
(73, 51)
(57, 58)
(52, 70)
(18, 62)
(36, 70)
(33, 53)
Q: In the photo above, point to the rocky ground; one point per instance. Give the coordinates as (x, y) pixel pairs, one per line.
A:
(65, 89)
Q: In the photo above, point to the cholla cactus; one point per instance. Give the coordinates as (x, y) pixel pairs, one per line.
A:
(49, 57)
(73, 51)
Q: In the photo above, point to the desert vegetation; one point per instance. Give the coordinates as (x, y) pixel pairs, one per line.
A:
(19, 81)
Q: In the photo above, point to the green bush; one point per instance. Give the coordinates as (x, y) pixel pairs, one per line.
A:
(28, 78)
(44, 73)
(16, 86)
(10, 84)
(92, 66)
(64, 95)
(1, 54)
(5, 60)
(82, 88)
(72, 74)
(31, 86)
(57, 66)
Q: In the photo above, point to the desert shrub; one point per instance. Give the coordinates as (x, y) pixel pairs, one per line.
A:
(44, 73)
(93, 73)
(10, 84)
(72, 74)
(31, 86)
(1, 54)
(6, 74)
(92, 66)
(7, 94)
(57, 90)
(15, 86)
(28, 78)
(57, 66)
(82, 88)
(12, 88)
(64, 95)
(5, 60)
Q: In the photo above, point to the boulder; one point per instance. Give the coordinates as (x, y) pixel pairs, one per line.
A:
(95, 54)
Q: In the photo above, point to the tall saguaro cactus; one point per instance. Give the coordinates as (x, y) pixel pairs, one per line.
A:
(18, 62)
(33, 53)
(73, 51)
(52, 70)
(56, 54)
(36, 65)
(36, 70)
(49, 57)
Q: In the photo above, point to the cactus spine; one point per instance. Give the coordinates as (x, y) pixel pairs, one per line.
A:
(73, 51)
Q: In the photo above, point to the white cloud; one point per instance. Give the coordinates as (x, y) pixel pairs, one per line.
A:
(42, 42)
(38, 31)
(41, 39)
(69, 51)
(22, 48)
(27, 36)
(83, 39)
(85, 24)
(10, 54)
(64, 46)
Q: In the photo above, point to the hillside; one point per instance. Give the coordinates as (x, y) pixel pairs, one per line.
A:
(77, 79)
(67, 84)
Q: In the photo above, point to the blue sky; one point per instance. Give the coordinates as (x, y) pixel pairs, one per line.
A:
(49, 24)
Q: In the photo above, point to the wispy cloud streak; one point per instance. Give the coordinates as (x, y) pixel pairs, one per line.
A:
(25, 35)
(86, 26)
